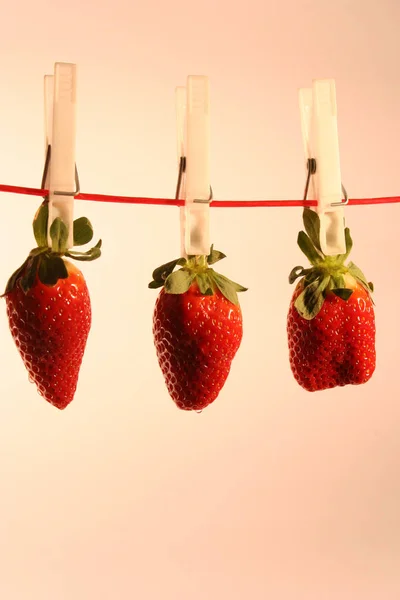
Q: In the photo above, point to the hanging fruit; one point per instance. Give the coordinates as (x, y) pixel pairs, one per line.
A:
(49, 310)
(331, 322)
(197, 328)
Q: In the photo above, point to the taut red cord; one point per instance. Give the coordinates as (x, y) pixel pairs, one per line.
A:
(13, 189)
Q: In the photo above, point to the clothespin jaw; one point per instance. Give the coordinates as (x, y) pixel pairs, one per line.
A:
(180, 106)
(48, 113)
(60, 135)
(193, 129)
(318, 112)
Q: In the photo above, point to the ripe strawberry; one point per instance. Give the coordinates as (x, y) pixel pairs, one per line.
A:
(197, 328)
(331, 322)
(48, 308)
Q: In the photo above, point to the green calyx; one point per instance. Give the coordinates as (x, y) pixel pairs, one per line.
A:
(47, 262)
(326, 274)
(196, 269)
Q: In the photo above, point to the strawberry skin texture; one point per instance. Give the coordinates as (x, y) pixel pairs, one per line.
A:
(50, 326)
(196, 338)
(336, 347)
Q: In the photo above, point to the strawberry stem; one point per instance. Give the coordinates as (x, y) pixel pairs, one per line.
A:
(195, 269)
(326, 273)
(47, 262)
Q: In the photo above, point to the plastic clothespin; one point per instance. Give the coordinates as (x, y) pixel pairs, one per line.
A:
(180, 104)
(60, 176)
(193, 134)
(321, 142)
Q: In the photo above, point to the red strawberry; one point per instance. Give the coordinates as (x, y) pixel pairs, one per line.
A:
(331, 322)
(197, 328)
(48, 308)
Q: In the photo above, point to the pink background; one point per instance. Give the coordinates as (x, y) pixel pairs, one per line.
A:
(271, 492)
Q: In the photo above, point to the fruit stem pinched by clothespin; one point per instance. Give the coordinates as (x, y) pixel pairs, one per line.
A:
(196, 269)
(47, 262)
(327, 273)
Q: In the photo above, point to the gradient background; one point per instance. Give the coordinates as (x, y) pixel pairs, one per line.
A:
(271, 492)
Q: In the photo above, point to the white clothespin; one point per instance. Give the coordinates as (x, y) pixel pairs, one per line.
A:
(180, 104)
(321, 142)
(193, 133)
(60, 175)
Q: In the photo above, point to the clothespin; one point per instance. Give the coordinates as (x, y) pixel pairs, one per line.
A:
(193, 134)
(321, 144)
(60, 175)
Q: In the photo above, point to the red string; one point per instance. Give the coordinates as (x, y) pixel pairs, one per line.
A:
(12, 189)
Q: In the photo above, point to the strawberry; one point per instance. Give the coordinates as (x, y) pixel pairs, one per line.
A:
(331, 322)
(48, 308)
(197, 328)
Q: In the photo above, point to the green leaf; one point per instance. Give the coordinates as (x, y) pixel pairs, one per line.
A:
(84, 257)
(92, 254)
(38, 251)
(40, 225)
(161, 273)
(52, 269)
(308, 248)
(311, 299)
(227, 287)
(312, 226)
(83, 231)
(14, 278)
(359, 276)
(337, 282)
(59, 235)
(215, 256)
(179, 282)
(236, 286)
(297, 272)
(343, 293)
(349, 245)
(155, 284)
(29, 276)
(312, 275)
(205, 284)
(349, 241)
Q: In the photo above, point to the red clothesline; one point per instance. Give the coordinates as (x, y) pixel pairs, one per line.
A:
(13, 189)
